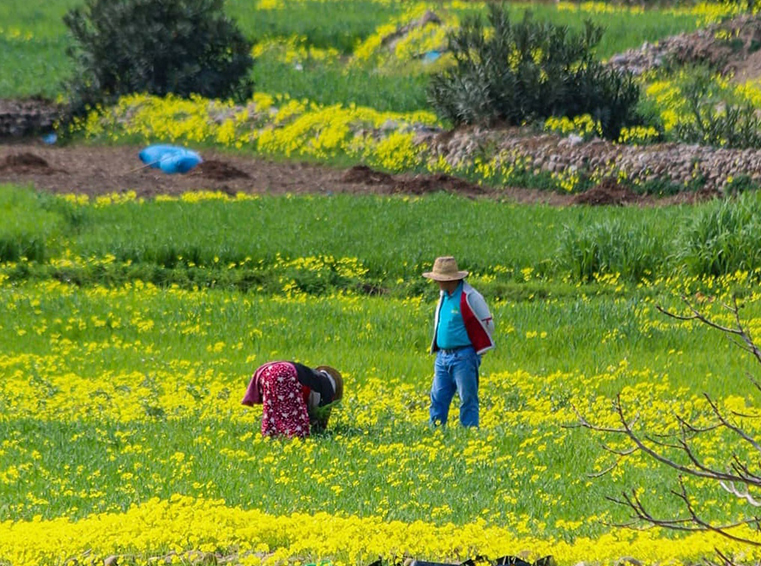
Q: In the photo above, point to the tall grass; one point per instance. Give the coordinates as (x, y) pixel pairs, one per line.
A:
(723, 238)
(388, 240)
(27, 227)
(633, 251)
(392, 238)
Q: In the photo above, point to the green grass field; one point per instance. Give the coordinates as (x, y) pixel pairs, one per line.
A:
(85, 368)
(33, 40)
(129, 330)
(163, 365)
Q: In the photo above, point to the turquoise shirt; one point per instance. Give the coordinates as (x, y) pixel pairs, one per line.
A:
(451, 332)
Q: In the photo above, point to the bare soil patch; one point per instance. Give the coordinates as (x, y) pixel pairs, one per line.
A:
(26, 163)
(97, 170)
(219, 171)
(423, 184)
(607, 192)
(365, 175)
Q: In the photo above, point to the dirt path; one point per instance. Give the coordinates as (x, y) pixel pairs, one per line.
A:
(96, 170)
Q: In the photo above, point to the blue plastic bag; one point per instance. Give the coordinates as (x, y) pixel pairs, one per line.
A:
(169, 158)
(179, 161)
(152, 154)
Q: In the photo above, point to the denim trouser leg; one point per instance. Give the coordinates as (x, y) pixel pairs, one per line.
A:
(442, 390)
(457, 371)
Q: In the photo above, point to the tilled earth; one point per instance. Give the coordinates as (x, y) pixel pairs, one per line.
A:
(96, 170)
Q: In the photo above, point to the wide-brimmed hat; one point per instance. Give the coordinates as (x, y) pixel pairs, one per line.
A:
(336, 375)
(445, 269)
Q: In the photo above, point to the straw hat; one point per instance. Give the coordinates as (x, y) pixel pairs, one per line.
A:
(335, 374)
(445, 269)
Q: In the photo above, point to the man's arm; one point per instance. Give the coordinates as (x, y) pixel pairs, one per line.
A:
(481, 310)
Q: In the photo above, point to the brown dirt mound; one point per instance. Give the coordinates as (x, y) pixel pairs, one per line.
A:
(367, 176)
(219, 171)
(24, 163)
(702, 195)
(423, 184)
(608, 192)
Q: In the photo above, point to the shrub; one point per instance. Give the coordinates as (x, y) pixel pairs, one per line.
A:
(723, 238)
(716, 119)
(156, 46)
(609, 248)
(528, 71)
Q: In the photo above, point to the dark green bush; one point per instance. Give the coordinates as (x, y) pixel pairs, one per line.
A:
(528, 71)
(159, 47)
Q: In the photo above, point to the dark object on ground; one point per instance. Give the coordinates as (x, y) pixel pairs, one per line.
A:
(414, 185)
(366, 175)
(25, 163)
(608, 192)
(219, 171)
(423, 184)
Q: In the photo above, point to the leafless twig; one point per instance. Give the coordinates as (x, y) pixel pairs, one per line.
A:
(677, 451)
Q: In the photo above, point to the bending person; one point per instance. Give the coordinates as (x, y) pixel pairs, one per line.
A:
(294, 397)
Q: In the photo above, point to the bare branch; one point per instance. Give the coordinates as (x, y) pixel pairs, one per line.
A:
(738, 431)
(699, 470)
(690, 427)
(692, 523)
(680, 451)
(697, 315)
(726, 559)
(605, 471)
(622, 453)
(730, 488)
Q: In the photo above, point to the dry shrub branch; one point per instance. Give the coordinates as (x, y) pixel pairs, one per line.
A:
(738, 473)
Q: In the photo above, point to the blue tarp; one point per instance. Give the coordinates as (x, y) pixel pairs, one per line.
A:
(170, 158)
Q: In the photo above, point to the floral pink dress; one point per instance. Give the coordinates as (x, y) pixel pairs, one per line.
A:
(284, 410)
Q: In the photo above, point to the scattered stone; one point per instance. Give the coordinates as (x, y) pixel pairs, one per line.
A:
(704, 46)
(23, 118)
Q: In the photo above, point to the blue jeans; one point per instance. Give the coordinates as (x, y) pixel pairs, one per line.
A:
(455, 371)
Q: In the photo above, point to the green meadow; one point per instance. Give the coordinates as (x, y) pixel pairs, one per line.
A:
(129, 330)
(89, 340)
(34, 39)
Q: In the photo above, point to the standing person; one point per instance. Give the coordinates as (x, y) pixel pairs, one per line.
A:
(462, 332)
(294, 397)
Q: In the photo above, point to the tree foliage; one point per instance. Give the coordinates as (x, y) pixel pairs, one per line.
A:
(158, 47)
(512, 73)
